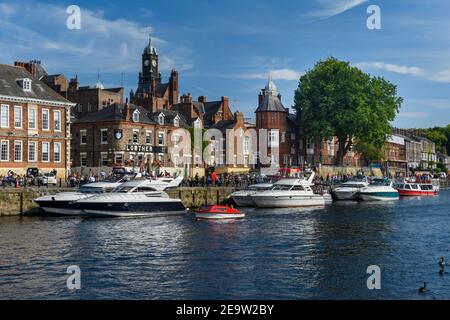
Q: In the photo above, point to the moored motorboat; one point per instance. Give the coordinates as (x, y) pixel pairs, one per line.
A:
(136, 198)
(243, 198)
(287, 193)
(416, 189)
(379, 190)
(349, 190)
(217, 212)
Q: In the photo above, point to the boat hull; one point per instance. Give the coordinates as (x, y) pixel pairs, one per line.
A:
(243, 201)
(219, 216)
(378, 196)
(346, 195)
(133, 209)
(288, 201)
(418, 193)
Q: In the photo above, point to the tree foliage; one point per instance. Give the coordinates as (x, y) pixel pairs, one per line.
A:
(440, 136)
(337, 99)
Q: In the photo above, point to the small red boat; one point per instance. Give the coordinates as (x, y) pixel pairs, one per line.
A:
(417, 189)
(216, 212)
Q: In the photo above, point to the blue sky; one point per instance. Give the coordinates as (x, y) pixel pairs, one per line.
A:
(229, 47)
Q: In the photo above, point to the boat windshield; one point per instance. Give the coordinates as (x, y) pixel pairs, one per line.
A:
(282, 187)
(351, 185)
(123, 189)
(380, 182)
(93, 190)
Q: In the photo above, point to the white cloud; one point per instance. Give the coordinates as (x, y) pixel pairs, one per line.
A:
(278, 74)
(330, 8)
(102, 44)
(413, 114)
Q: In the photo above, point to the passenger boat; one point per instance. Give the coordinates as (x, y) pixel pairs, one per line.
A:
(137, 198)
(287, 193)
(379, 190)
(217, 212)
(410, 188)
(243, 198)
(350, 190)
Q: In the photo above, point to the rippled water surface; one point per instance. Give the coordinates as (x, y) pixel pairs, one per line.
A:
(272, 254)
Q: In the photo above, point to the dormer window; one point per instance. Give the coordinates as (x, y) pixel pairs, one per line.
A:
(26, 84)
(198, 123)
(176, 121)
(136, 116)
(161, 119)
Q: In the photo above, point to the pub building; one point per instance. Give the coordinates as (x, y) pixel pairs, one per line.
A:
(126, 136)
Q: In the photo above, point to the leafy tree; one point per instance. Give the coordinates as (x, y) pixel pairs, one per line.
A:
(369, 152)
(337, 99)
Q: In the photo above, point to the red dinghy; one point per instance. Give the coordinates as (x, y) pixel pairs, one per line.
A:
(216, 212)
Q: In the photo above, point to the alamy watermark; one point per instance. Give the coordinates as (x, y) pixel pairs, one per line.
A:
(73, 21)
(74, 280)
(374, 280)
(374, 20)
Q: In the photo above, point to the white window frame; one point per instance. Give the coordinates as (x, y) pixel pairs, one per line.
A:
(16, 108)
(83, 154)
(102, 155)
(45, 143)
(198, 123)
(55, 112)
(46, 111)
(161, 133)
(83, 133)
(176, 121)
(246, 145)
(161, 118)
(101, 136)
(32, 143)
(54, 152)
(135, 132)
(32, 111)
(149, 133)
(273, 138)
(135, 115)
(2, 143)
(4, 109)
(26, 84)
(18, 143)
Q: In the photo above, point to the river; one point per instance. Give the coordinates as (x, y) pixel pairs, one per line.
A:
(271, 254)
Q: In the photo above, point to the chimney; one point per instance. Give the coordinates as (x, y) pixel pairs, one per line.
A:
(126, 111)
(260, 98)
(225, 105)
(29, 66)
(202, 99)
(239, 118)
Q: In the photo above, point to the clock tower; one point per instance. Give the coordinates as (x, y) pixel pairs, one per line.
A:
(149, 63)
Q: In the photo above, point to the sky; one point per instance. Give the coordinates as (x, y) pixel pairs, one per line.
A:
(228, 48)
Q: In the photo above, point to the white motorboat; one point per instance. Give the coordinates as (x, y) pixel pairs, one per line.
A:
(350, 190)
(243, 198)
(379, 190)
(289, 193)
(136, 198)
(63, 203)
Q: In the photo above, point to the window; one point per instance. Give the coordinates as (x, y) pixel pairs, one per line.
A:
(104, 159)
(57, 152)
(161, 119)
(161, 138)
(283, 137)
(4, 116)
(57, 120)
(18, 151)
(246, 145)
(80, 107)
(118, 158)
(136, 116)
(45, 151)
(176, 139)
(135, 136)
(273, 138)
(104, 136)
(83, 159)
(32, 146)
(26, 84)
(17, 117)
(198, 123)
(32, 118)
(45, 119)
(176, 121)
(148, 137)
(4, 150)
(83, 137)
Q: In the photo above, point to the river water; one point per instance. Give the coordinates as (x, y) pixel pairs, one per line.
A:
(272, 254)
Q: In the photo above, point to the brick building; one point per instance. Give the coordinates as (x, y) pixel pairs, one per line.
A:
(151, 92)
(34, 131)
(282, 130)
(126, 135)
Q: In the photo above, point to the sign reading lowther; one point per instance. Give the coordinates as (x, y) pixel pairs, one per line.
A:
(145, 148)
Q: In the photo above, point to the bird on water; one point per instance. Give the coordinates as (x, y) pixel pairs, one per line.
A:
(441, 264)
(424, 288)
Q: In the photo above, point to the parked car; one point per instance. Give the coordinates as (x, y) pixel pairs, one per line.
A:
(48, 178)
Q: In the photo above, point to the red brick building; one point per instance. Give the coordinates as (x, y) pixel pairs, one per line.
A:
(34, 131)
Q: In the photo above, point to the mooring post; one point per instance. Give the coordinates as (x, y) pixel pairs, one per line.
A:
(206, 195)
(193, 198)
(21, 203)
(217, 197)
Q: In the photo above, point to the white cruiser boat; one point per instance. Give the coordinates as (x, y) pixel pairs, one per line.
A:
(64, 203)
(289, 193)
(136, 198)
(350, 190)
(243, 198)
(379, 190)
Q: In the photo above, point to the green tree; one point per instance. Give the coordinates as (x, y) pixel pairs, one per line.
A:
(337, 99)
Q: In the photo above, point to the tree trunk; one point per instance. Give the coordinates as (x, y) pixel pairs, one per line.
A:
(343, 147)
